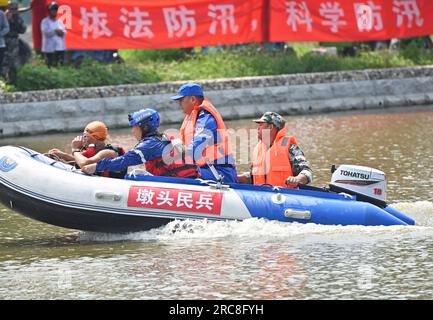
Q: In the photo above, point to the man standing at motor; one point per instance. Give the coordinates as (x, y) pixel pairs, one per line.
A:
(204, 134)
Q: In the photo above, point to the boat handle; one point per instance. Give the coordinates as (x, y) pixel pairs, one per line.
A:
(108, 195)
(297, 214)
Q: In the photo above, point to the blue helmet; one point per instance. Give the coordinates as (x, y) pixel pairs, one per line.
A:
(144, 117)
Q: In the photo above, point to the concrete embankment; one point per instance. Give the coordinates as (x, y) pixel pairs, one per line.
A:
(64, 110)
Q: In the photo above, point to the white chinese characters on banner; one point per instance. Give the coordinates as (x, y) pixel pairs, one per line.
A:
(105, 25)
(298, 14)
(94, 22)
(332, 14)
(368, 16)
(164, 199)
(145, 196)
(408, 9)
(172, 199)
(180, 22)
(205, 201)
(135, 23)
(184, 199)
(64, 14)
(254, 24)
(222, 15)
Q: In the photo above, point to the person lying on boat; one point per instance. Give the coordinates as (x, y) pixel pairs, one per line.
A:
(277, 158)
(161, 156)
(91, 147)
(204, 134)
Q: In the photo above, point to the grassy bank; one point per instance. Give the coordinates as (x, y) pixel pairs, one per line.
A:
(145, 66)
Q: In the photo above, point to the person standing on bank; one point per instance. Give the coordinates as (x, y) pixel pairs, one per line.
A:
(204, 134)
(277, 158)
(53, 37)
(12, 54)
(4, 30)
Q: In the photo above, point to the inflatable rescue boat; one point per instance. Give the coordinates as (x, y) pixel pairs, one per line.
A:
(56, 193)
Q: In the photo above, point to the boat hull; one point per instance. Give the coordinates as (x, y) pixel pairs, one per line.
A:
(55, 193)
(75, 218)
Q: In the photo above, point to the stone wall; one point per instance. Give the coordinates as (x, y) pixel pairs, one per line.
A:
(41, 111)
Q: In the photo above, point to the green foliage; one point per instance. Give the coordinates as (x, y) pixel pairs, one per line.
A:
(142, 56)
(412, 49)
(145, 66)
(37, 76)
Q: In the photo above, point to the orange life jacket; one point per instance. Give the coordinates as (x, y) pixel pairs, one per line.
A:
(272, 166)
(214, 152)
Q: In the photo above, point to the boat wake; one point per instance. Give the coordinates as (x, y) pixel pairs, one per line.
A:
(421, 211)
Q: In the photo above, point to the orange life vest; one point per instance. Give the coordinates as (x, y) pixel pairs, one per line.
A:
(220, 149)
(272, 166)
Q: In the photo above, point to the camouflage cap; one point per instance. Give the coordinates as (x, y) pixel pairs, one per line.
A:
(272, 118)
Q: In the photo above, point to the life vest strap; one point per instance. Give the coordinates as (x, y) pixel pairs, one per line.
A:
(182, 168)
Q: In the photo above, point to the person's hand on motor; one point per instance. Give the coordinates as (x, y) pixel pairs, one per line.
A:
(89, 169)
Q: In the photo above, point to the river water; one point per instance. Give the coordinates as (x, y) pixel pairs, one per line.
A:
(253, 259)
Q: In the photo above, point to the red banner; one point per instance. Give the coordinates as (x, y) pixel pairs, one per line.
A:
(130, 24)
(349, 20)
(160, 24)
(175, 200)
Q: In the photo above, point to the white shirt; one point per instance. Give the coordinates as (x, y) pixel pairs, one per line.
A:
(51, 42)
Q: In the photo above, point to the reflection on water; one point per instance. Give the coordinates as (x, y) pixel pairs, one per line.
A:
(253, 259)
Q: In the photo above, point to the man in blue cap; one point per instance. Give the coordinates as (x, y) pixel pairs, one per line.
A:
(204, 134)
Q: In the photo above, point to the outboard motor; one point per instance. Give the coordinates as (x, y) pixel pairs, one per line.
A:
(368, 184)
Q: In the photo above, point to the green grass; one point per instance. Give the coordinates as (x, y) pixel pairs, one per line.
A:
(37, 76)
(146, 66)
(252, 62)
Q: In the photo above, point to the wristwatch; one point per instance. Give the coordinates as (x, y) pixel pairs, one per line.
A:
(75, 150)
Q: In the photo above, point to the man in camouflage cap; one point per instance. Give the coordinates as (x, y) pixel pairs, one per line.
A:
(272, 118)
(277, 158)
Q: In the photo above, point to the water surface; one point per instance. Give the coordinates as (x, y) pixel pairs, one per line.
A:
(253, 259)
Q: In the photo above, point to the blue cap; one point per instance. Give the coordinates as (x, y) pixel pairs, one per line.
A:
(189, 90)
